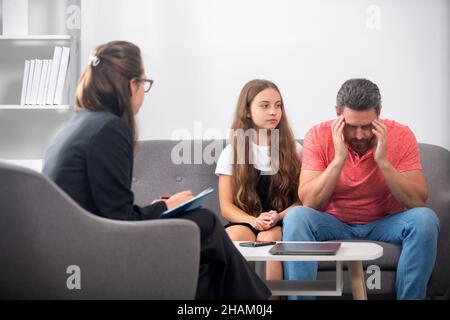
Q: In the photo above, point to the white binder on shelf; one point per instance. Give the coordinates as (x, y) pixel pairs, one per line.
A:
(26, 71)
(47, 81)
(61, 76)
(42, 82)
(35, 83)
(53, 75)
(30, 82)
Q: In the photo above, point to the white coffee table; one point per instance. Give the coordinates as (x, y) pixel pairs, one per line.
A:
(353, 253)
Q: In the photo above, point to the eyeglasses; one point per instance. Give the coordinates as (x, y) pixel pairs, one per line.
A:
(147, 84)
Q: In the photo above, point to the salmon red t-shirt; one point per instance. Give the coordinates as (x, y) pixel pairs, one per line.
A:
(361, 194)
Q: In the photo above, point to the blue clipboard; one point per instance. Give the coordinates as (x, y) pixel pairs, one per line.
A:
(192, 204)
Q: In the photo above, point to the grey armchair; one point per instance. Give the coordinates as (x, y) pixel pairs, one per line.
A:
(43, 232)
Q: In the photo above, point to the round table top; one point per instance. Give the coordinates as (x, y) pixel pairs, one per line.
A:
(349, 251)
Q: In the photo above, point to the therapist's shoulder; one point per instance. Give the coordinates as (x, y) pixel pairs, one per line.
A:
(107, 127)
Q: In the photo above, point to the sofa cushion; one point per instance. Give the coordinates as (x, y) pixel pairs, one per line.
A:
(158, 171)
(436, 166)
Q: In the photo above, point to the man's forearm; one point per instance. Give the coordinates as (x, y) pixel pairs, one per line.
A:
(317, 192)
(408, 193)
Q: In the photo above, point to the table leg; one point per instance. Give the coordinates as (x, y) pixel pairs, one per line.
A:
(356, 274)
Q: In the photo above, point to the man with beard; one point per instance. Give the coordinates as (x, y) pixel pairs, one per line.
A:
(361, 178)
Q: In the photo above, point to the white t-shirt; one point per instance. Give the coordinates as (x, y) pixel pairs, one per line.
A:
(260, 154)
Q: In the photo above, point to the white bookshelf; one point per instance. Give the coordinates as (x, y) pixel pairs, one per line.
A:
(56, 30)
(38, 37)
(26, 130)
(33, 107)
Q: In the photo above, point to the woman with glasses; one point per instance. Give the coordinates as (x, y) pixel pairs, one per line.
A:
(91, 159)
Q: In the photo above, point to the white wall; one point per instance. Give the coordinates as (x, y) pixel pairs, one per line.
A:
(201, 52)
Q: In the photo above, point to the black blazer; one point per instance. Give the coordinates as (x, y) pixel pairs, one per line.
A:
(91, 159)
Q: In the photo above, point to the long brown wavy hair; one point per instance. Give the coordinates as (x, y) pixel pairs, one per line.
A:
(283, 190)
(105, 83)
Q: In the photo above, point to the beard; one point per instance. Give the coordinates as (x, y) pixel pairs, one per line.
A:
(362, 145)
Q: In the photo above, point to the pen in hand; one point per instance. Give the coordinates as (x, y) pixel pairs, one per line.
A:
(161, 198)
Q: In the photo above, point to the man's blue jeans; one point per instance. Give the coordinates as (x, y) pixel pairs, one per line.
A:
(416, 230)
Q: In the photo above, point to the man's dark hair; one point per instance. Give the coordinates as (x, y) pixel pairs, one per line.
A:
(359, 95)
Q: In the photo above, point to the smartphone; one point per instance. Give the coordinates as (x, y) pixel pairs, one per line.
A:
(256, 243)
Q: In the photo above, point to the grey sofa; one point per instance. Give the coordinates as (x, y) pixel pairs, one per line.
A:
(155, 174)
(44, 233)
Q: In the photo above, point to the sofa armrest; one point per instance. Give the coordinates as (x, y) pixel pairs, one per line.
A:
(439, 282)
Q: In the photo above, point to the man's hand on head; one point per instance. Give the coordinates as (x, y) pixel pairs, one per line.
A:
(380, 154)
(337, 131)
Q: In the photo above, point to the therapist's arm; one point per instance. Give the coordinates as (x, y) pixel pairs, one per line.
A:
(109, 163)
